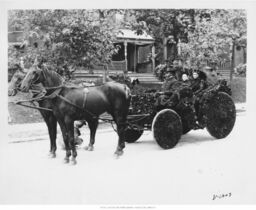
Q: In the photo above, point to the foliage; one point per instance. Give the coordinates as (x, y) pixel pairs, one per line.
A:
(241, 69)
(160, 71)
(170, 24)
(73, 37)
(215, 31)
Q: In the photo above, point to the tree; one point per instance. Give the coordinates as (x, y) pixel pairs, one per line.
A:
(73, 37)
(215, 31)
(168, 26)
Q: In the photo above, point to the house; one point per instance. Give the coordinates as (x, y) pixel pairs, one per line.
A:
(138, 51)
(135, 57)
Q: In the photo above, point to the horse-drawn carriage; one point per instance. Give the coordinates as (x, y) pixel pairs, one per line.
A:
(168, 114)
(175, 112)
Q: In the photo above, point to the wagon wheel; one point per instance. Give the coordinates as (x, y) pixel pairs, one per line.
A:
(167, 128)
(132, 135)
(220, 115)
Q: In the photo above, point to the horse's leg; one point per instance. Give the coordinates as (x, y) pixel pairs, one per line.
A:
(70, 132)
(65, 139)
(93, 124)
(121, 125)
(52, 129)
(51, 123)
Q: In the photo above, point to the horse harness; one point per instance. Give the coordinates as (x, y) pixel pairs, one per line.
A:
(56, 93)
(83, 108)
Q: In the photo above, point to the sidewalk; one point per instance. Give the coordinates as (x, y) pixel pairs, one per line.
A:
(241, 106)
(38, 131)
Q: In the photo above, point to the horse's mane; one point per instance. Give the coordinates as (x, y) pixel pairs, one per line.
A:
(56, 78)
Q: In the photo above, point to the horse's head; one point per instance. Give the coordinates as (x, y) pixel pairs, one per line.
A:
(14, 84)
(33, 76)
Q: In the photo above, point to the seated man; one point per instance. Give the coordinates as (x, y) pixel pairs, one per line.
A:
(169, 80)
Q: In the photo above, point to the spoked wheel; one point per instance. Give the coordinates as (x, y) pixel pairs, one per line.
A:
(132, 135)
(167, 128)
(220, 115)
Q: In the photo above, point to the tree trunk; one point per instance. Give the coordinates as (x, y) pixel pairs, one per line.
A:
(165, 49)
(232, 60)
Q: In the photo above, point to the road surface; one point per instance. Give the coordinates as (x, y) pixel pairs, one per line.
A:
(199, 170)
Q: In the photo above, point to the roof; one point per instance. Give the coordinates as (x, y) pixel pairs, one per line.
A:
(131, 36)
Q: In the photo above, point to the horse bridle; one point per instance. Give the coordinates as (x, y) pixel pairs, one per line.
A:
(34, 80)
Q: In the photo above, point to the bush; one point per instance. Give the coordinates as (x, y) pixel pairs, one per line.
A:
(241, 69)
(238, 87)
(160, 71)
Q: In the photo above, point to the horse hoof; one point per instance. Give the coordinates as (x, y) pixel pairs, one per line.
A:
(66, 160)
(52, 155)
(73, 162)
(119, 153)
(89, 148)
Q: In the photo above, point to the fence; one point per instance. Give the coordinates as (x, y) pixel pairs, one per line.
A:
(113, 66)
(223, 68)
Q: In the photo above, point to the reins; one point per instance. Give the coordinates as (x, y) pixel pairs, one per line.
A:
(54, 94)
(33, 107)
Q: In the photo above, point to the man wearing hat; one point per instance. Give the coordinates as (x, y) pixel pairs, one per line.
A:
(177, 67)
(169, 79)
(211, 75)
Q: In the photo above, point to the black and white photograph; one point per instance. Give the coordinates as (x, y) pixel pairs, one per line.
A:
(128, 105)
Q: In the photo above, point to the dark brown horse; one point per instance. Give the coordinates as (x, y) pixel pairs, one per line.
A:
(48, 116)
(73, 103)
(15, 82)
(14, 87)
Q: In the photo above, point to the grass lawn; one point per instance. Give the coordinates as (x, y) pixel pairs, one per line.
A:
(20, 114)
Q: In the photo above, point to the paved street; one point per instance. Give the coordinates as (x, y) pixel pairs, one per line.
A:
(198, 170)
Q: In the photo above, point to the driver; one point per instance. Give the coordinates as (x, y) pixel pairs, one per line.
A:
(169, 79)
